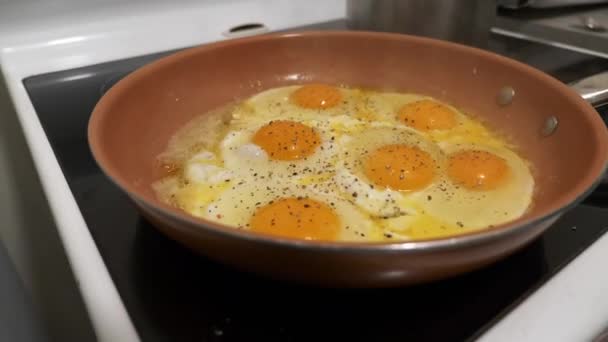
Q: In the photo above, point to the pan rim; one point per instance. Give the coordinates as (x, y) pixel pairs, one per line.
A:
(197, 225)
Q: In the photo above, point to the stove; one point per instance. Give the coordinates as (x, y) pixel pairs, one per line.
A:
(171, 294)
(582, 28)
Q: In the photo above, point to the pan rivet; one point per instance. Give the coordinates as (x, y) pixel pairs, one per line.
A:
(550, 126)
(505, 96)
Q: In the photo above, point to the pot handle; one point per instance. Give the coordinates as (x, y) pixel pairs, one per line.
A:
(594, 88)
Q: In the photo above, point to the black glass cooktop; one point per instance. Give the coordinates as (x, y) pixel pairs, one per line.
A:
(174, 295)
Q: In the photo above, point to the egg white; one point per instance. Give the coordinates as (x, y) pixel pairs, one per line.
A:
(275, 104)
(228, 183)
(475, 209)
(442, 206)
(352, 182)
(384, 106)
(247, 159)
(236, 206)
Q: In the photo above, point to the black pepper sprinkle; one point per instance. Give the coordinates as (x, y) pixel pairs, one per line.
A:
(354, 194)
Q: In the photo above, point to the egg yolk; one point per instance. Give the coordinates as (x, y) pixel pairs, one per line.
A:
(427, 115)
(316, 96)
(400, 167)
(477, 170)
(301, 218)
(287, 140)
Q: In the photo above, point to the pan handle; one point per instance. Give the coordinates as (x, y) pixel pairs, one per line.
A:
(594, 88)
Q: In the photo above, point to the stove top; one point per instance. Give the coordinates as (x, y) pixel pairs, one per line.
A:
(580, 28)
(173, 294)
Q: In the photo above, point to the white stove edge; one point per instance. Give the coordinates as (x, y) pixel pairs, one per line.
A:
(143, 30)
(572, 306)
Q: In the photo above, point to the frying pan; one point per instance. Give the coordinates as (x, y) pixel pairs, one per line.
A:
(557, 131)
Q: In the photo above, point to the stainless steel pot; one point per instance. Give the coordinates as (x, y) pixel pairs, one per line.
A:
(443, 19)
(515, 4)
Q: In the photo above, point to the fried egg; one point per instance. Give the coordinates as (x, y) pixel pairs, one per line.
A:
(380, 166)
(292, 212)
(299, 103)
(414, 187)
(323, 162)
(280, 152)
(483, 186)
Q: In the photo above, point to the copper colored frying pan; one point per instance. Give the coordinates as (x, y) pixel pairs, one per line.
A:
(133, 122)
